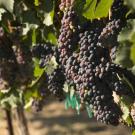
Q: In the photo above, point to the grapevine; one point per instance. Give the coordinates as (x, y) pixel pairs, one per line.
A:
(76, 52)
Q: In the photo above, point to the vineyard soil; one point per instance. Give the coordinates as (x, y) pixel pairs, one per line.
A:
(55, 120)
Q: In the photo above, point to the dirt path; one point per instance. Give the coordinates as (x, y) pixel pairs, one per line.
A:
(55, 120)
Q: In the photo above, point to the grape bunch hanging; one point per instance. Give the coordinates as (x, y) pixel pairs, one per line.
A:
(85, 60)
(90, 69)
(16, 70)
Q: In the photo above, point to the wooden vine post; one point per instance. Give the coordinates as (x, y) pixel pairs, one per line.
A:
(9, 122)
(21, 121)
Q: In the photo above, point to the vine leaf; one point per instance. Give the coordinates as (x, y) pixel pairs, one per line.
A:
(48, 18)
(13, 100)
(93, 9)
(133, 133)
(89, 9)
(133, 69)
(125, 104)
(127, 39)
(132, 54)
(127, 33)
(52, 38)
(46, 12)
(131, 4)
(36, 2)
(102, 8)
(28, 104)
(28, 27)
(123, 55)
(7, 4)
(126, 112)
(37, 71)
(51, 65)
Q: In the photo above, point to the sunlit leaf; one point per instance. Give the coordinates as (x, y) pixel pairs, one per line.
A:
(2, 10)
(48, 18)
(102, 8)
(51, 65)
(89, 9)
(36, 2)
(133, 133)
(7, 4)
(93, 9)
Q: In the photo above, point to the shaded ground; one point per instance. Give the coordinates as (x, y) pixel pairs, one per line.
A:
(55, 120)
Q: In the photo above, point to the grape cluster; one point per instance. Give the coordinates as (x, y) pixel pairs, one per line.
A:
(24, 65)
(108, 36)
(7, 62)
(94, 65)
(91, 69)
(56, 82)
(85, 56)
(53, 83)
(44, 53)
(65, 3)
(68, 35)
(15, 63)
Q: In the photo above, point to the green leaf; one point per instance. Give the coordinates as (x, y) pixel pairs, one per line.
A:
(131, 4)
(133, 70)
(12, 100)
(126, 112)
(132, 54)
(28, 27)
(46, 11)
(48, 18)
(93, 9)
(127, 33)
(38, 71)
(51, 65)
(133, 133)
(52, 38)
(89, 9)
(34, 36)
(102, 8)
(123, 55)
(125, 105)
(126, 101)
(7, 4)
(127, 39)
(36, 2)
(129, 121)
(28, 104)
